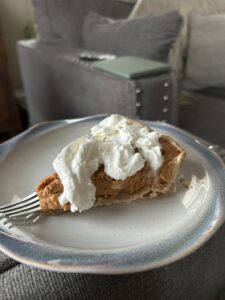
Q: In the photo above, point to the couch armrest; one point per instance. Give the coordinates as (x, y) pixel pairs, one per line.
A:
(58, 85)
(157, 97)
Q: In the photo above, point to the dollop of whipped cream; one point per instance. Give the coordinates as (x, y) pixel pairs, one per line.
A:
(121, 145)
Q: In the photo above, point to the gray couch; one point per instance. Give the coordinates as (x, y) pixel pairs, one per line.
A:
(58, 85)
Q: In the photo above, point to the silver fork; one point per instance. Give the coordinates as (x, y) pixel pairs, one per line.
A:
(23, 211)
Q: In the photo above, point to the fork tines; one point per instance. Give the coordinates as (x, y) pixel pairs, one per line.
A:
(21, 210)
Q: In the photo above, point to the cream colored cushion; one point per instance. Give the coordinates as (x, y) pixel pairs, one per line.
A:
(205, 67)
(184, 7)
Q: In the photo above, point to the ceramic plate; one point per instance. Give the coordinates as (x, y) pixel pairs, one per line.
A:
(118, 239)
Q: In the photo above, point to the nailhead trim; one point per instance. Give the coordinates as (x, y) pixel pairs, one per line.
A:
(166, 84)
(165, 97)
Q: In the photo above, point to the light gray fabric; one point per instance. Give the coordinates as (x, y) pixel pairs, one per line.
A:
(152, 99)
(59, 86)
(178, 51)
(203, 115)
(205, 66)
(61, 20)
(201, 275)
(150, 36)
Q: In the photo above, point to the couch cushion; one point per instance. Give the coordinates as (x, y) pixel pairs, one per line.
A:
(149, 37)
(220, 93)
(205, 66)
(184, 7)
(60, 20)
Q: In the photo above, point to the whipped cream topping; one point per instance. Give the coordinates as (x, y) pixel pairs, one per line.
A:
(121, 145)
(74, 165)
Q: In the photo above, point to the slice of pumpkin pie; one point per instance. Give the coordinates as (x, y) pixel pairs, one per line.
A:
(122, 160)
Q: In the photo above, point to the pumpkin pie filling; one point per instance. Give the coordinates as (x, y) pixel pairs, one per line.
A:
(51, 187)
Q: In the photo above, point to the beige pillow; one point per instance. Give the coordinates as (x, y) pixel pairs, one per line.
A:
(184, 7)
(205, 66)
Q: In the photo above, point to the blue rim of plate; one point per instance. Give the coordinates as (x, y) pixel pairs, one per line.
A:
(126, 260)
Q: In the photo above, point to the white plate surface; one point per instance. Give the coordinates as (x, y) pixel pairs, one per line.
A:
(117, 239)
